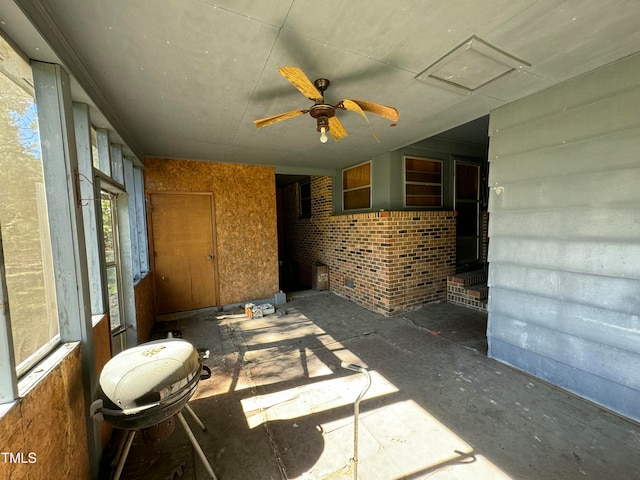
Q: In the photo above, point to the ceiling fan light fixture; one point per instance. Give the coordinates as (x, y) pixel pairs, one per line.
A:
(323, 128)
(323, 135)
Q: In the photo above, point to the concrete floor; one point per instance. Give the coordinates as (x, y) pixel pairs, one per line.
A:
(279, 406)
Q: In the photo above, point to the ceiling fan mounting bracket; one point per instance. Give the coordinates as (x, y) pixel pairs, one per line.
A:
(322, 84)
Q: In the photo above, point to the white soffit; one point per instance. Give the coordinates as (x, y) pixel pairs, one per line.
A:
(470, 66)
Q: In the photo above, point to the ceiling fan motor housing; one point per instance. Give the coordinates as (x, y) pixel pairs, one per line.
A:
(322, 113)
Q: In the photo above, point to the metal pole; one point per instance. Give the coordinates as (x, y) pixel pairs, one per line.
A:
(188, 408)
(356, 411)
(196, 445)
(125, 452)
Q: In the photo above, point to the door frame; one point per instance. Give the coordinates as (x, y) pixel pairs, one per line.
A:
(474, 162)
(152, 257)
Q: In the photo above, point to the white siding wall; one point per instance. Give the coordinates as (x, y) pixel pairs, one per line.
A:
(564, 246)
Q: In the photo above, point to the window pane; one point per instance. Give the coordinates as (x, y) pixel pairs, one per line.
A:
(355, 177)
(114, 298)
(357, 199)
(111, 255)
(424, 201)
(421, 165)
(108, 228)
(423, 187)
(433, 190)
(423, 177)
(23, 217)
(467, 177)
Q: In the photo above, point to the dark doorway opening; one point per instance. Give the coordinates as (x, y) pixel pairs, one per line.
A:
(293, 196)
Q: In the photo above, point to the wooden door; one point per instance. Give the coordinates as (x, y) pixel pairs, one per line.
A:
(182, 233)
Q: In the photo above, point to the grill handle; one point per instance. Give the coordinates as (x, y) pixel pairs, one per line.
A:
(97, 409)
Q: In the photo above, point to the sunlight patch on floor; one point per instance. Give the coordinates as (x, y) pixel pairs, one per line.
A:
(399, 440)
(288, 370)
(312, 398)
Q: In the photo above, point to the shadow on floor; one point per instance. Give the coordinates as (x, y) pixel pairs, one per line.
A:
(462, 326)
(279, 406)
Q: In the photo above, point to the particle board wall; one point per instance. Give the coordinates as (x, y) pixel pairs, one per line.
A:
(564, 249)
(49, 423)
(143, 292)
(102, 353)
(245, 220)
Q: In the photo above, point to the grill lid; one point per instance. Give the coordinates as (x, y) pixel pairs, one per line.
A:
(149, 372)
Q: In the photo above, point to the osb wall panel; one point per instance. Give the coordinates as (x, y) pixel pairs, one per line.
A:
(245, 220)
(143, 293)
(49, 423)
(12, 440)
(396, 260)
(102, 351)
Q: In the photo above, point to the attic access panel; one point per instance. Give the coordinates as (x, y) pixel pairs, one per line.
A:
(470, 66)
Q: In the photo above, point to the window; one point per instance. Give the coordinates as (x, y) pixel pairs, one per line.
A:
(24, 219)
(112, 257)
(304, 190)
(423, 182)
(356, 187)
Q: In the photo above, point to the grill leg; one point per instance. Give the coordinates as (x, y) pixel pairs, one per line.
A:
(121, 443)
(196, 445)
(195, 417)
(124, 453)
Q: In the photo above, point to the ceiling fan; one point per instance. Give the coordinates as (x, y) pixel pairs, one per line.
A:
(324, 113)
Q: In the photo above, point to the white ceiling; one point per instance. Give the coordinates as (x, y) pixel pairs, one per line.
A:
(186, 78)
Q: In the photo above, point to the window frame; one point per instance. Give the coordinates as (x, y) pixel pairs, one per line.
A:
(21, 75)
(126, 335)
(406, 182)
(113, 193)
(140, 221)
(8, 372)
(361, 187)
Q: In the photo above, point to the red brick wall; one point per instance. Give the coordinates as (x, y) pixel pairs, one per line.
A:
(397, 260)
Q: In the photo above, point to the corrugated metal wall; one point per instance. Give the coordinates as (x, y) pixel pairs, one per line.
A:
(564, 247)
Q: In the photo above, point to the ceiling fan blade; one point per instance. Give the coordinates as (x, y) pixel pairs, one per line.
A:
(336, 129)
(372, 107)
(355, 107)
(298, 79)
(263, 122)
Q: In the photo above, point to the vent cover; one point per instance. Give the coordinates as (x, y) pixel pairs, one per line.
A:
(470, 66)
